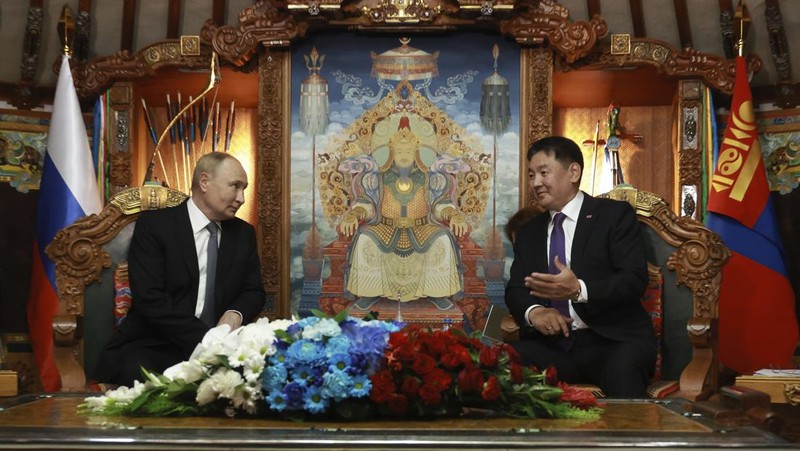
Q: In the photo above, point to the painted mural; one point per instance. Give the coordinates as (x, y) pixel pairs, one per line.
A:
(404, 171)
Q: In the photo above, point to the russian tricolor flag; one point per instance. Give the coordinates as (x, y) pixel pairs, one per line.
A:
(757, 323)
(68, 191)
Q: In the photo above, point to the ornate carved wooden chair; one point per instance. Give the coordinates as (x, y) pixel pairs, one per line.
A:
(686, 259)
(91, 278)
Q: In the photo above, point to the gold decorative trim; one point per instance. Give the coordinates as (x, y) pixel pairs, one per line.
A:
(190, 45)
(536, 107)
(620, 44)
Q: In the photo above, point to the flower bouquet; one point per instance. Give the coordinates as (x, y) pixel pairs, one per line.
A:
(348, 368)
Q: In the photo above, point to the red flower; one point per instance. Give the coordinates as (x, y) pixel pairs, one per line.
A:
(551, 376)
(429, 395)
(410, 386)
(382, 386)
(439, 379)
(578, 397)
(437, 343)
(516, 372)
(491, 389)
(488, 356)
(398, 404)
(452, 359)
(470, 379)
(423, 364)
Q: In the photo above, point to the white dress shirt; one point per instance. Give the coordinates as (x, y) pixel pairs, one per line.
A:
(201, 237)
(571, 210)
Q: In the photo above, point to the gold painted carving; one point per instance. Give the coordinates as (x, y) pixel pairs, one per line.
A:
(536, 106)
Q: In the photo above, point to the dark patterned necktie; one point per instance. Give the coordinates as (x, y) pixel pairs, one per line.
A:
(558, 248)
(208, 315)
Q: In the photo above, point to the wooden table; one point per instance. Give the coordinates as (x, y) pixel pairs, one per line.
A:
(32, 421)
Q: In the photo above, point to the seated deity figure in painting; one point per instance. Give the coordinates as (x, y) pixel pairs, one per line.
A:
(404, 219)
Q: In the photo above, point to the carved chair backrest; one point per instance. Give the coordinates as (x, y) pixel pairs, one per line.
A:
(691, 258)
(86, 254)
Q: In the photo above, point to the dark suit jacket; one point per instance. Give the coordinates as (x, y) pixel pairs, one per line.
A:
(608, 254)
(164, 277)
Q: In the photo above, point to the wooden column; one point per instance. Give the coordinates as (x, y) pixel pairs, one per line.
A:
(120, 99)
(272, 171)
(689, 194)
(536, 106)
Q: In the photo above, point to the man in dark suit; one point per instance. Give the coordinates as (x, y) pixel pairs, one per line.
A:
(604, 336)
(177, 292)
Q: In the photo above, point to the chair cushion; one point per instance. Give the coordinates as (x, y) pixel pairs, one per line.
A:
(122, 293)
(652, 303)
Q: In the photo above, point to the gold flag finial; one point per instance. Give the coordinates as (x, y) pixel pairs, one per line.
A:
(742, 19)
(66, 29)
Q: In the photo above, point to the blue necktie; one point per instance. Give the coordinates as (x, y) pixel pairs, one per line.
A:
(558, 248)
(208, 315)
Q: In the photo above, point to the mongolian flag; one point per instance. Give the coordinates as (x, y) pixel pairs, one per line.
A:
(757, 320)
(68, 191)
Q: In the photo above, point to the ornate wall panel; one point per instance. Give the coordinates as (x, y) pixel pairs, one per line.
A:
(272, 184)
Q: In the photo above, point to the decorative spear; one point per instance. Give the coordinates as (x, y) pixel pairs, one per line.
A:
(215, 128)
(495, 116)
(314, 111)
(230, 123)
(150, 123)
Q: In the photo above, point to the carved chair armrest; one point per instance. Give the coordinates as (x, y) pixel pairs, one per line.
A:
(67, 335)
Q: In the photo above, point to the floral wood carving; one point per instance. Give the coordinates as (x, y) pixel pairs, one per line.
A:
(716, 72)
(547, 23)
(260, 24)
(93, 78)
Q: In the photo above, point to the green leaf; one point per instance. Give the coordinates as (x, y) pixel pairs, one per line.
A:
(341, 316)
(319, 313)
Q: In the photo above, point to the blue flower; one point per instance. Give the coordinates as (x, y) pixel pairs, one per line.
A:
(336, 385)
(278, 358)
(339, 362)
(276, 400)
(274, 377)
(339, 344)
(361, 386)
(315, 402)
(305, 351)
(369, 340)
(295, 395)
(303, 374)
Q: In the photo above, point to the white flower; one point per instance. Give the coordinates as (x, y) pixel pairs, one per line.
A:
(124, 395)
(225, 382)
(205, 393)
(190, 371)
(326, 327)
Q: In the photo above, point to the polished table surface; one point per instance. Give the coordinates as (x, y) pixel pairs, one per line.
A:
(31, 422)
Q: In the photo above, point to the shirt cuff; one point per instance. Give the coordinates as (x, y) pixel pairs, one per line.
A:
(241, 317)
(528, 313)
(583, 296)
